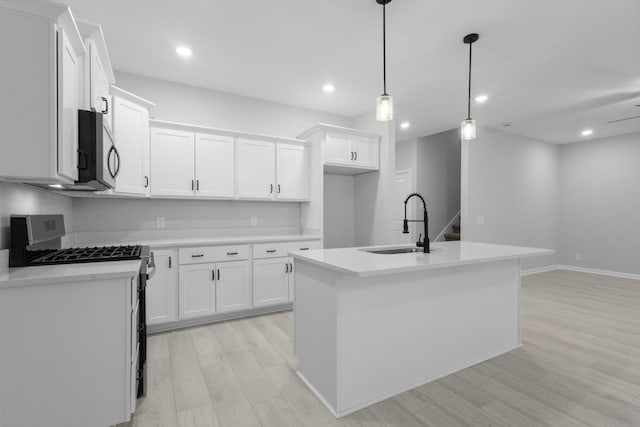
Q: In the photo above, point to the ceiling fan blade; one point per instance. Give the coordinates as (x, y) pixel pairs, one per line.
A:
(626, 118)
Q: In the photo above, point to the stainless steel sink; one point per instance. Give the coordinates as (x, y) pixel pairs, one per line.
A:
(392, 251)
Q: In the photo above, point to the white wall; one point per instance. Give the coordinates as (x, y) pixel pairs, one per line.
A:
(189, 104)
(107, 220)
(512, 182)
(373, 215)
(25, 199)
(600, 204)
(339, 211)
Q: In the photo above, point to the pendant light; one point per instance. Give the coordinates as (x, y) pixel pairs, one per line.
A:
(384, 103)
(468, 128)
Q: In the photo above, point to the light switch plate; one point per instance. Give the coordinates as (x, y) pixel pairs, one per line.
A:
(480, 220)
(254, 221)
(160, 223)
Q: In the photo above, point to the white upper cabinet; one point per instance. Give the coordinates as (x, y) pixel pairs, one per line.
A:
(344, 150)
(366, 151)
(68, 103)
(215, 166)
(337, 148)
(172, 163)
(292, 166)
(131, 134)
(256, 169)
(97, 72)
(40, 92)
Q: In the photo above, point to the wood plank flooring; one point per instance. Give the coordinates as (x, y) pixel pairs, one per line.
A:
(580, 365)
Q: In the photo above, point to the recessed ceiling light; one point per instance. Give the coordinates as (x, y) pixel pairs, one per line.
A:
(405, 125)
(183, 51)
(587, 132)
(59, 186)
(481, 98)
(328, 88)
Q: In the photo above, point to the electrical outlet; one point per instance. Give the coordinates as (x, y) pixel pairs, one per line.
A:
(160, 223)
(578, 257)
(480, 220)
(254, 221)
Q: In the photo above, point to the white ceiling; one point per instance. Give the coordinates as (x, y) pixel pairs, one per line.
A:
(551, 67)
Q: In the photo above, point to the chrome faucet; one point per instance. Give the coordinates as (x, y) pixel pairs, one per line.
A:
(405, 229)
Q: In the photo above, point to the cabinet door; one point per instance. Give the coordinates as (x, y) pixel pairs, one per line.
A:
(162, 288)
(172, 163)
(367, 151)
(197, 295)
(256, 169)
(215, 166)
(131, 127)
(99, 85)
(292, 280)
(292, 172)
(270, 282)
(68, 102)
(233, 287)
(337, 149)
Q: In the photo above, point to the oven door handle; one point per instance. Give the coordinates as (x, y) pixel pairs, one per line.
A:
(151, 266)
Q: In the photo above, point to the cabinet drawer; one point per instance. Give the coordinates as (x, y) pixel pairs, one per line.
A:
(281, 249)
(213, 254)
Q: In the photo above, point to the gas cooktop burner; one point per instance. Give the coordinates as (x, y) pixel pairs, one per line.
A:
(76, 255)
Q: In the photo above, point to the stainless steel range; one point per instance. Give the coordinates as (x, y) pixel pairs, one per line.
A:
(36, 241)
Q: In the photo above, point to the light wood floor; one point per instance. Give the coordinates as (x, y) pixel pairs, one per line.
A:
(580, 365)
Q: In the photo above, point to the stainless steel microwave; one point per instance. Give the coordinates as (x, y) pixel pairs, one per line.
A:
(98, 157)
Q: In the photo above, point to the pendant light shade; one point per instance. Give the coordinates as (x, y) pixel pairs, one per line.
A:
(384, 108)
(468, 127)
(384, 103)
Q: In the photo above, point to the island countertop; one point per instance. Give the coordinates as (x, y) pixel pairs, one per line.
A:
(357, 262)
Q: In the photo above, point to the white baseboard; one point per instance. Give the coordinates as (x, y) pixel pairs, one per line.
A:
(580, 270)
(539, 270)
(601, 272)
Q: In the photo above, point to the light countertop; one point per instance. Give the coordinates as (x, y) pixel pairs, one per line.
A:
(205, 241)
(356, 262)
(66, 273)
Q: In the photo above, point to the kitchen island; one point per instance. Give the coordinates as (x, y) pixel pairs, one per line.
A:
(369, 326)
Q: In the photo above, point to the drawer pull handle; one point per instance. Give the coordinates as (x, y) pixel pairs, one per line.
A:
(271, 251)
(197, 256)
(232, 253)
(304, 249)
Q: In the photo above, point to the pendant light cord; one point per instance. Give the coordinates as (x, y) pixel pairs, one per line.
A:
(384, 48)
(469, 97)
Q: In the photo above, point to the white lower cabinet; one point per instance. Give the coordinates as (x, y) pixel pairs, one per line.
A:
(271, 279)
(233, 286)
(197, 290)
(162, 288)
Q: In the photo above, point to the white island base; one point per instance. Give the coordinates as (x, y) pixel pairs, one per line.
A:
(364, 336)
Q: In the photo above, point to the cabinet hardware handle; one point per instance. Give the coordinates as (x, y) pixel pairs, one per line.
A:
(197, 256)
(270, 251)
(356, 156)
(106, 103)
(198, 184)
(232, 253)
(192, 184)
(146, 181)
(218, 275)
(213, 275)
(304, 249)
(169, 262)
(286, 267)
(291, 267)
(351, 155)
(270, 188)
(278, 188)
